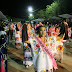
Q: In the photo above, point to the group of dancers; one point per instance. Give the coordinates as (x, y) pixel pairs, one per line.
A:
(42, 45)
(40, 48)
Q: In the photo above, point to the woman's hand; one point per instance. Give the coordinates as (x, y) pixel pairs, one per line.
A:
(28, 41)
(58, 38)
(51, 34)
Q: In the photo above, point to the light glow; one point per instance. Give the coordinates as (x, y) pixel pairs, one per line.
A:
(30, 8)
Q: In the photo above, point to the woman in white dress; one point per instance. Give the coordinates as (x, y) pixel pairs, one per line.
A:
(17, 38)
(27, 48)
(59, 45)
(42, 60)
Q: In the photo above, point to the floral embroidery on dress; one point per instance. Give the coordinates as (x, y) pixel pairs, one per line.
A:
(52, 43)
(36, 52)
(27, 50)
(46, 45)
(39, 56)
(36, 47)
(60, 47)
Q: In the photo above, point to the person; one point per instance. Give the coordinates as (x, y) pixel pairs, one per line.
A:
(57, 31)
(42, 60)
(66, 31)
(59, 46)
(6, 29)
(50, 30)
(3, 50)
(30, 30)
(40, 23)
(2, 35)
(53, 28)
(17, 38)
(11, 31)
(27, 48)
(71, 31)
(20, 27)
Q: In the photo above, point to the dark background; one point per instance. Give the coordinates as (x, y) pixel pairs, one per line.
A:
(18, 8)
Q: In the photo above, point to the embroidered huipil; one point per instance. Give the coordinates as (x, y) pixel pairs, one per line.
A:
(41, 60)
(27, 51)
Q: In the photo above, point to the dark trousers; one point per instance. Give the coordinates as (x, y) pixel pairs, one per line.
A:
(11, 35)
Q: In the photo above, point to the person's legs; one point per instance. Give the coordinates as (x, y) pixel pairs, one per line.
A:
(8, 36)
(11, 35)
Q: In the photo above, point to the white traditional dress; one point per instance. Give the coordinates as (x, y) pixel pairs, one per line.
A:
(59, 46)
(18, 40)
(27, 51)
(59, 55)
(41, 60)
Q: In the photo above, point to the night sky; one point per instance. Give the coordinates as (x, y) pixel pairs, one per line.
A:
(18, 8)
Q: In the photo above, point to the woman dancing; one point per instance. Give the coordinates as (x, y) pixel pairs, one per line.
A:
(27, 48)
(43, 60)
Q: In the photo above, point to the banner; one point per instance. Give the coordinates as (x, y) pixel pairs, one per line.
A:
(47, 51)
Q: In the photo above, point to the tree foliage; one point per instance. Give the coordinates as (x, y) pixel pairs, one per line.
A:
(51, 10)
(56, 8)
(40, 14)
(30, 17)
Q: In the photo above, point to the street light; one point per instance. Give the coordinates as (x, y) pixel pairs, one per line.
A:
(31, 14)
(30, 8)
(30, 11)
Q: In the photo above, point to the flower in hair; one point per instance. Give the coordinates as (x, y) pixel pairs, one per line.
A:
(38, 25)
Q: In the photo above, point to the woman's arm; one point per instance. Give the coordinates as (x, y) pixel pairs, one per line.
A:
(51, 34)
(28, 41)
(58, 38)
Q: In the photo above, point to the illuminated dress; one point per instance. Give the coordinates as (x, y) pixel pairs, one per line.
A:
(27, 51)
(41, 60)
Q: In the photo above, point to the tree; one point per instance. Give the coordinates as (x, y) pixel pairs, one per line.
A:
(30, 17)
(51, 10)
(56, 8)
(40, 14)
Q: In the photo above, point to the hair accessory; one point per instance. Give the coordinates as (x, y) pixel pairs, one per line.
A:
(38, 25)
